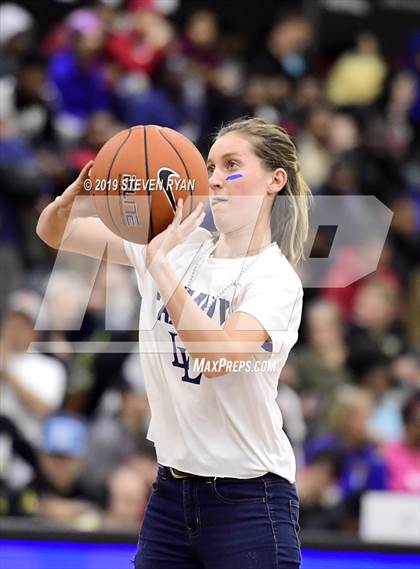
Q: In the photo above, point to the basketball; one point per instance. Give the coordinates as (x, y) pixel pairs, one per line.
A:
(138, 176)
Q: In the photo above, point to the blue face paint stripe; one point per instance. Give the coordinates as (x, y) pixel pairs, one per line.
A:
(233, 177)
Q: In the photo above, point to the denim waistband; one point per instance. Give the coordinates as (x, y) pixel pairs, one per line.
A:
(268, 476)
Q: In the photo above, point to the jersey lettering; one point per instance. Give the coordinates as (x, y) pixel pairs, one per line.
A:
(184, 362)
(208, 304)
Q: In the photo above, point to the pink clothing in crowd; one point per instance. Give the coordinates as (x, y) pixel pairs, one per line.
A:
(404, 467)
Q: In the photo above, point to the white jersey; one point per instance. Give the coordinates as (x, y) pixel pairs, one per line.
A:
(227, 426)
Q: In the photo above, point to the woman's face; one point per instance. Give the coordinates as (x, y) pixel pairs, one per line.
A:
(238, 201)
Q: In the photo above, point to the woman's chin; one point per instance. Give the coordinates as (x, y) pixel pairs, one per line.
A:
(221, 219)
(226, 226)
(231, 221)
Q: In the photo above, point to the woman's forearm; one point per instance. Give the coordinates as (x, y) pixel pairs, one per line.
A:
(52, 224)
(202, 337)
(57, 217)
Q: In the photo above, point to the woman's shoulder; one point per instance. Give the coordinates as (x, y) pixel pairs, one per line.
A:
(273, 281)
(277, 268)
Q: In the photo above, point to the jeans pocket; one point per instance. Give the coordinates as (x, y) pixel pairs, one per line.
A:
(237, 491)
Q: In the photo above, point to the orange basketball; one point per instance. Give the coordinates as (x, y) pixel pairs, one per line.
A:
(138, 177)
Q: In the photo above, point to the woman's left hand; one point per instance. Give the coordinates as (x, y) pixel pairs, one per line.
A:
(175, 234)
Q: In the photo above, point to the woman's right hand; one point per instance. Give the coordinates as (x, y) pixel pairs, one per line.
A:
(175, 234)
(66, 200)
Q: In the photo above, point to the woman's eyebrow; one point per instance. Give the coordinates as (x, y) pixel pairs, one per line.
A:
(226, 155)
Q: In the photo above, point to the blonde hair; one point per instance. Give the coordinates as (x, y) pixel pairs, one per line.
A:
(345, 401)
(290, 213)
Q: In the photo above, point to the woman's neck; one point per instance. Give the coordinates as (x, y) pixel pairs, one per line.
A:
(240, 244)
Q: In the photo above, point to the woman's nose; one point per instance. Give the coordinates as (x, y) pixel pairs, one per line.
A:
(215, 180)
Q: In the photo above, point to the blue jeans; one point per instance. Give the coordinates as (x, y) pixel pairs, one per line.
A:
(222, 523)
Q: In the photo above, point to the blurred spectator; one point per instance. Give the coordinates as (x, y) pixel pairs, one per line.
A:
(373, 372)
(109, 11)
(313, 146)
(64, 311)
(376, 316)
(142, 45)
(341, 181)
(23, 189)
(128, 494)
(33, 101)
(278, 66)
(413, 308)
(61, 497)
(116, 439)
(200, 41)
(79, 74)
(321, 366)
(308, 94)
(293, 420)
(352, 258)
(60, 36)
(99, 128)
(15, 36)
(146, 466)
(356, 77)
(380, 173)
(17, 465)
(264, 96)
(319, 494)
(404, 236)
(286, 48)
(32, 385)
(406, 371)
(73, 311)
(362, 467)
(210, 79)
(344, 134)
(78, 309)
(403, 456)
(162, 102)
(120, 309)
(402, 95)
(224, 95)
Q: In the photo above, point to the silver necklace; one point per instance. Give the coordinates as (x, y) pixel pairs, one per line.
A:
(235, 282)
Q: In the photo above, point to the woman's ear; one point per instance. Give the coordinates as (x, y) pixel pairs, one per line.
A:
(278, 181)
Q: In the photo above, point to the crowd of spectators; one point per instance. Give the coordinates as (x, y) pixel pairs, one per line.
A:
(73, 421)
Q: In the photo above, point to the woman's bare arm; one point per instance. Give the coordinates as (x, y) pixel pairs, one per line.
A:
(239, 339)
(241, 336)
(62, 225)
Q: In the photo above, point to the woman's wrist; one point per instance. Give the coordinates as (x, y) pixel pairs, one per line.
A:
(155, 261)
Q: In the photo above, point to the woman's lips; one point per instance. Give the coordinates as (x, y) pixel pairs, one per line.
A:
(216, 201)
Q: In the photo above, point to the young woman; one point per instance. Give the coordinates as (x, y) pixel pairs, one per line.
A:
(224, 496)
